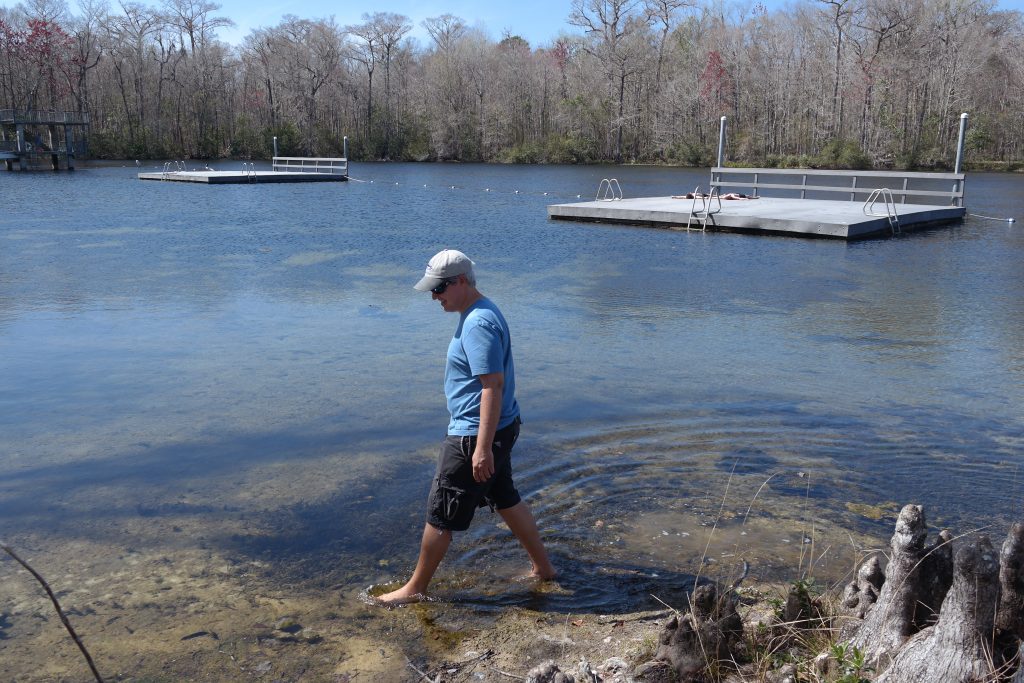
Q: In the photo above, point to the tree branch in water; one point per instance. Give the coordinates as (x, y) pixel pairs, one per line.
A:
(60, 612)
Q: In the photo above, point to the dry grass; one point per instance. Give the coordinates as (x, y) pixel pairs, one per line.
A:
(804, 649)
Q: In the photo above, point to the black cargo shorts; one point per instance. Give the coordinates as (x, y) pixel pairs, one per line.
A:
(455, 496)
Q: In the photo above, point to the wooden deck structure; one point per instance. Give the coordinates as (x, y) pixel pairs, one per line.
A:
(46, 149)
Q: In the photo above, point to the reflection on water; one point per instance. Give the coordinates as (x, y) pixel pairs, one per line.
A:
(238, 383)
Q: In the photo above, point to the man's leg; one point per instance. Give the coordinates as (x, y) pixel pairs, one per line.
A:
(432, 550)
(520, 521)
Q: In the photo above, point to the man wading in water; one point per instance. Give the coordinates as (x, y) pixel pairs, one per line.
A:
(474, 468)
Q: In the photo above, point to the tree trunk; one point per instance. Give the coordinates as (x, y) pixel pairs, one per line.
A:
(618, 123)
(958, 649)
(891, 621)
(976, 636)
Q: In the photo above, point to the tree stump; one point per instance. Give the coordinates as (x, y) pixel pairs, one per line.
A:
(548, 672)
(802, 610)
(936, 576)
(1010, 618)
(705, 634)
(958, 648)
(862, 592)
(891, 621)
(1018, 677)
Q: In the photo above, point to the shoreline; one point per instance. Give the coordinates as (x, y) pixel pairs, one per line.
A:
(266, 630)
(186, 612)
(1010, 167)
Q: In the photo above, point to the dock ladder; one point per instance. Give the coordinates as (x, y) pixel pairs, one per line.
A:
(172, 167)
(608, 191)
(883, 194)
(706, 211)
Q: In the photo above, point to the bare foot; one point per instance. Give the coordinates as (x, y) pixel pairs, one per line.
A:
(535, 575)
(402, 596)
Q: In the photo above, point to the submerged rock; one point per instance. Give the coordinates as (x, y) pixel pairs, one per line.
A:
(288, 625)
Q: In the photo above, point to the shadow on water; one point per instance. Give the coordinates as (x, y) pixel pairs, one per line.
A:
(627, 507)
(595, 491)
(341, 542)
(207, 480)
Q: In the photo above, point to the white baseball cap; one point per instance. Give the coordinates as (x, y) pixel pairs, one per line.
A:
(444, 265)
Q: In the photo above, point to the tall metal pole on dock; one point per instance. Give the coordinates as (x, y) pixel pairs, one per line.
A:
(275, 145)
(344, 152)
(721, 141)
(721, 149)
(957, 185)
(960, 143)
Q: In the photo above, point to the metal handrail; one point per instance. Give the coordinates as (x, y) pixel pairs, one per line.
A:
(172, 167)
(609, 190)
(885, 194)
(705, 212)
(955, 196)
(327, 165)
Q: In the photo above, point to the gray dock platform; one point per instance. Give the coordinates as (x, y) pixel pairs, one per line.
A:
(235, 177)
(282, 170)
(764, 215)
(883, 211)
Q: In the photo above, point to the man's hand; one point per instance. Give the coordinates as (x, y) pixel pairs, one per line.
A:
(490, 412)
(483, 464)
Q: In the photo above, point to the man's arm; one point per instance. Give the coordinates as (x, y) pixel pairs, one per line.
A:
(490, 413)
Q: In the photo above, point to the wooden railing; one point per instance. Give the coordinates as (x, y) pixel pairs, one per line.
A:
(43, 117)
(899, 183)
(31, 149)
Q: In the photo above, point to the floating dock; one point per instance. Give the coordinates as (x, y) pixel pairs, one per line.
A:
(764, 215)
(283, 170)
(807, 206)
(237, 177)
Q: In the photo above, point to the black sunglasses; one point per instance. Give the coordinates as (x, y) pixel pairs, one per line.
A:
(444, 285)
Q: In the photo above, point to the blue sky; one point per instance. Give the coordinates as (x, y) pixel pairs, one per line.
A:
(539, 21)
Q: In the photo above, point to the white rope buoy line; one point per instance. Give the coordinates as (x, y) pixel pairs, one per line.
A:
(992, 218)
(514, 192)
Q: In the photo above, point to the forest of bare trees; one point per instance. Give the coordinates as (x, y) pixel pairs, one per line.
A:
(829, 82)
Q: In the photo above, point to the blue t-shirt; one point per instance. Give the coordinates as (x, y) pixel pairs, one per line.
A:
(481, 345)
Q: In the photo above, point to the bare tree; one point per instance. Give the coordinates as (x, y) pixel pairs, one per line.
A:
(446, 79)
(193, 18)
(127, 36)
(609, 23)
(840, 14)
(392, 29)
(883, 23)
